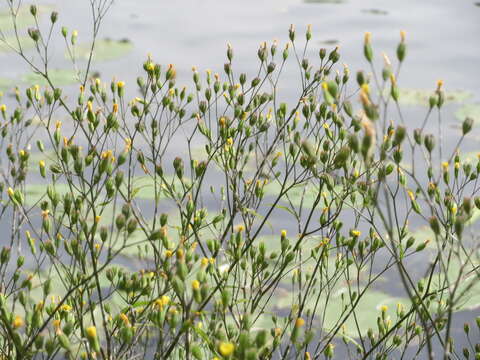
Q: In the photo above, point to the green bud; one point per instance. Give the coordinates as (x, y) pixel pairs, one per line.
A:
(467, 125)
(54, 17)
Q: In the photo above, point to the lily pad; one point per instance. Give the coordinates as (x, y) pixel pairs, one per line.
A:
(144, 187)
(36, 192)
(304, 195)
(421, 96)
(425, 233)
(471, 157)
(468, 292)
(324, 1)
(105, 49)
(6, 84)
(23, 18)
(468, 110)
(10, 44)
(330, 42)
(366, 312)
(375, 11)
(58, 77)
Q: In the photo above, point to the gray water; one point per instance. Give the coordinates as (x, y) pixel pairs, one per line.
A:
(442, 37)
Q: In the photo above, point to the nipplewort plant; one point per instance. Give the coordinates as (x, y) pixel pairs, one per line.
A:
(223, 221)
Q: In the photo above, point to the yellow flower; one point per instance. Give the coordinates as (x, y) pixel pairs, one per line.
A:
(368, 36)
(39, 306)
(226, 349)
(150, 66)
(91, 332)
(17, 322)
(107, 154)
(403, 34)
(299, 322)
(121, 84)
(128, 144)
(283, 233)
(162, 301)
(124, 318)
(3, 108)
(355, 233)
(195, 284)
(204, 262)
(10, 192)
(45, 214)
(168, 253)
(439, 85)
(411, 195)
(171, 71)
(366, 88)
(384, 308)
(277, 332)
(66, 307)
(454, 209)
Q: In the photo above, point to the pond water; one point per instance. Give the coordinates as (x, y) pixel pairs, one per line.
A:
(442, 37)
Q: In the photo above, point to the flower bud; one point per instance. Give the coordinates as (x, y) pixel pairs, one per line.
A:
(429, 142)
(54, 17)
(467, 125)
(91, 334)
(367, 47)
(401, 48)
